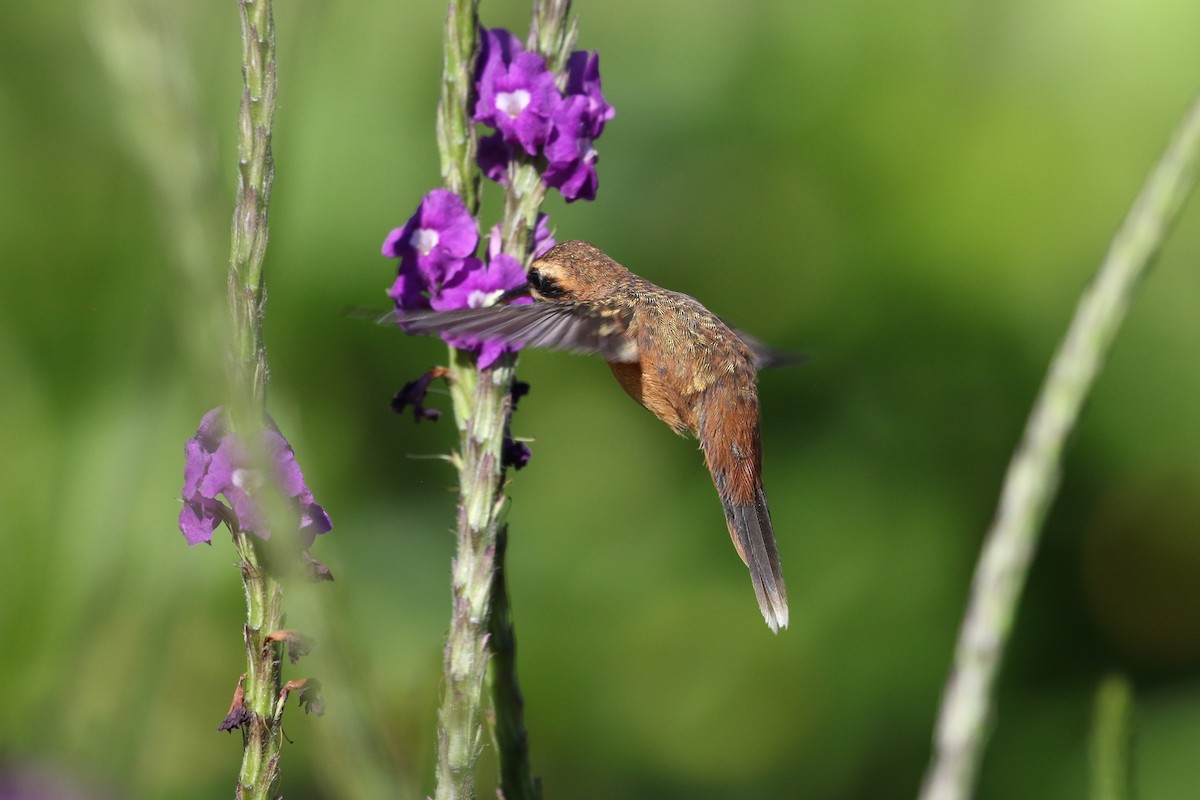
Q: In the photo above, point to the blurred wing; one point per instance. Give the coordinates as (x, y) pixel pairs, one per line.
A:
(766, 357)
(557, 326)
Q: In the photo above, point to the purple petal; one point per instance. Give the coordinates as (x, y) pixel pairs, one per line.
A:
(515, 454)
(313, 521)
(543, 238)
(479, 286)
(570, 153)
(456, 292)
(497, 50)
(396, 242)
(230, 470)
(519, 390)
(247, 510)
(407, 292)
(518, 99)
(288, 478)
(498, 47)
(489, 353)
(583, 79)
(195, 466)
(213, 426)
(431, 246)
(444, 211)
(575, 180)
(197, 522)
(493, 156)
(570, 136)
(414, 394)
(503, 273)
(221, 467)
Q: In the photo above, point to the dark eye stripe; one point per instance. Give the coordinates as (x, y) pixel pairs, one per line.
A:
(545, 285)
(551, 289)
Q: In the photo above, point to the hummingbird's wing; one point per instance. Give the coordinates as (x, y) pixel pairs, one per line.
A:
(574, 327)
(766, 357)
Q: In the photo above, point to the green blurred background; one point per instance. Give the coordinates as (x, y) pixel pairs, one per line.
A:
(913, 194)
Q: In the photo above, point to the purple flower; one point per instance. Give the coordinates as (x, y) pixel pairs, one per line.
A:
(413, 394)
(514, 454)
(438, 270)
(517, 97)
(408, 291)
(493, 155)
(200, 515)
(516, 91)
(433, 247)
(478, 286)
(218, 463)
(571, 158)
(583, 79)
(577, 121)
(519, 390)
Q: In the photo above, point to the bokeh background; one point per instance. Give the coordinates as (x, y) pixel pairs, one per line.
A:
(912, 194)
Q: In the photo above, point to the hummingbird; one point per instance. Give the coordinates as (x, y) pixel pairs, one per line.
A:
(670, 354)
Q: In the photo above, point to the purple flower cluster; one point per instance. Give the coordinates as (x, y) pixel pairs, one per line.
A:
(518, 97)
(439, 270)
(219, 463)
(539, 117)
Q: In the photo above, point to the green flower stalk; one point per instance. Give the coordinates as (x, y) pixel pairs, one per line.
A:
(259, 774)
(457, 141)
(460, 718)
(1035, 470)
(256, 173)
(517, 781)
(238, 453)
(545, 104)
(552, 36)
(482, 401)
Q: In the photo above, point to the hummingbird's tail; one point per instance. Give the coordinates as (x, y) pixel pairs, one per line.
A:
(733, 451)
(754, 538)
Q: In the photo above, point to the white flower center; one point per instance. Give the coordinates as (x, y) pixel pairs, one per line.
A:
(513, 103)
(424, 240)
(248, 480)
(478, 299)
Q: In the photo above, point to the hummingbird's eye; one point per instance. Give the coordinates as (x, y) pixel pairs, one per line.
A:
(544, 285)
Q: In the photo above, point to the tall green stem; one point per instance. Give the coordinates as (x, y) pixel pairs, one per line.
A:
(1034, 473)
(256, 171)
(480, 474)
(517, 781)
(479, 417)
(482, 406)
(455, 130)
(552, 35)
(259, 776)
